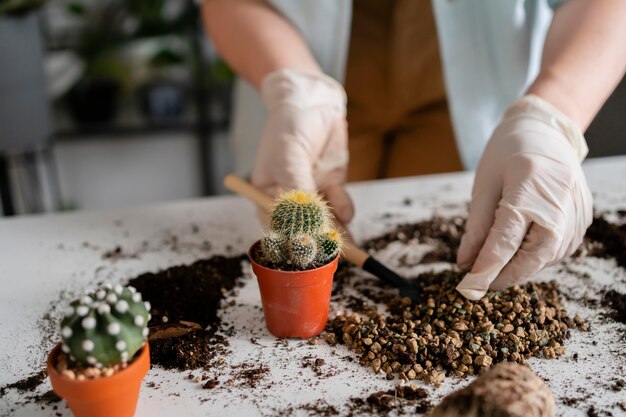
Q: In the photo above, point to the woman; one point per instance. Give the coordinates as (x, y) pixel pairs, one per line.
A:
(530, 202)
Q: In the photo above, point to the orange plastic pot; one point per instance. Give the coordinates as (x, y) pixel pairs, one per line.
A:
(115, 395)
(295, 303)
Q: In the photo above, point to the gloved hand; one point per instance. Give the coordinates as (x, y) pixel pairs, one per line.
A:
(305, 140)
(530, 202)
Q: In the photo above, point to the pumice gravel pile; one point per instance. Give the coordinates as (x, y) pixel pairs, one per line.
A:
(443, 333)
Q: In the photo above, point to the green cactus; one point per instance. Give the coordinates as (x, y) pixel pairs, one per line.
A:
(302, 250)
(299, 212)
(301, 235)
(273, 247)
(106, 326)
(329, 244)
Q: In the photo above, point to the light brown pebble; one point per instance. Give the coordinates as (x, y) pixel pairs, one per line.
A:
(483, 360)
(330, 338)
(68, 373)
(507, 328)
(376, 364)
(466, 359)
(460, 326)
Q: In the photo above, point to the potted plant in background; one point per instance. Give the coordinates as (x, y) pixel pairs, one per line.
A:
(294, 263)
(95, 97)
(99, 366)
(163, 96)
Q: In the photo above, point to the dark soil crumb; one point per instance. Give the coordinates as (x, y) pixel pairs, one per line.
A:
(197, 349)
(444, 234)
(618, 385)
(189, 294)
(605, 240)
(317, 366)
(117, 253)
(402, 399)
(168, 241)
(247, 375)
(49, 397)
(320, 408)
(573, 401)
(27, 384)
(592, 412)
(210, 384)
(317, 408)
(617, 303)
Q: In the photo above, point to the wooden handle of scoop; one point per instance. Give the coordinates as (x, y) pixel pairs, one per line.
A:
(242, 187)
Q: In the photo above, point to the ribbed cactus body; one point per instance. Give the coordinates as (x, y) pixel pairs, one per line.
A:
(299, 212)
(301, 234)
(302, 250)
(329, 245)
(106, 326)
(273, 247)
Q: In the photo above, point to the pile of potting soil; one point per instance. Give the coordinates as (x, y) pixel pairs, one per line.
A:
(184, 304)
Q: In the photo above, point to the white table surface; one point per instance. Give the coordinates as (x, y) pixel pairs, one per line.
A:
(42, 256)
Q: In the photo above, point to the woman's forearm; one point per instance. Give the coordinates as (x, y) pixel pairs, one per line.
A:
(584, 57)
(254, 39)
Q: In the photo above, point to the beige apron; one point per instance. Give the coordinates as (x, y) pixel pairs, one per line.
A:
(398, 118)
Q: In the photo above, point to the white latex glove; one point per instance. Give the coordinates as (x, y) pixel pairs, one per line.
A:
(530, 203)
(305, 140)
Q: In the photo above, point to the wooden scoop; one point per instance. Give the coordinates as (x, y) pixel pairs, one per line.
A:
(350, 251)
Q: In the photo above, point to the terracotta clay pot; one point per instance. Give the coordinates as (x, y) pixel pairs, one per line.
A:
(295, 303)
(115, 395)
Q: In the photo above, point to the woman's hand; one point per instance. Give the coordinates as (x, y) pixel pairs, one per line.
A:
(305, 141)
(530, 203)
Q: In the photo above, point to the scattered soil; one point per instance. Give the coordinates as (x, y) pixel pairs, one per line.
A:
(189, 292)
(617, 303)
(605, 240)
(592, 412)
(403, 399)
(444, 234)
(196, 349)
(184, 304)
(27, 384)
(317, 408)
(248, 375)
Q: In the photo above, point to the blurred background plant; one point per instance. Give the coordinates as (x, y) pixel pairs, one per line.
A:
(17, 7)
(123, 44)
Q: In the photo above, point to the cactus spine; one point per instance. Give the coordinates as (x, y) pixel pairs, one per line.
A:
(301, 233)
(106, 326)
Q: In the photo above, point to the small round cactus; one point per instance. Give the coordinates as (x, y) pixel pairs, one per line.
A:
(299, 212)
(301, 234)
(272, 246)
(302, 250)
(106, 326)
(329, 245)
